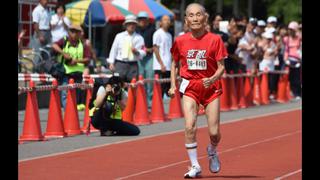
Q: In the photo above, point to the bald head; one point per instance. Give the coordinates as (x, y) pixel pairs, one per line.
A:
(195, 5)
(165, 22)
(196, 17)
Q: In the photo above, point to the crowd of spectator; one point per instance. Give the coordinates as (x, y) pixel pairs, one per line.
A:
(253, 45)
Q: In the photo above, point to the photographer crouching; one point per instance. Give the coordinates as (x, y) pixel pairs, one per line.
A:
(106, 108)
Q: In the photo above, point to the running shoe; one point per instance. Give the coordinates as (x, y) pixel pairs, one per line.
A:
(214, 163)
(193, 172)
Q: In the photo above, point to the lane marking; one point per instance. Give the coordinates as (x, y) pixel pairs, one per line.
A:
(155, 135)
(289, 174)
(201, 157)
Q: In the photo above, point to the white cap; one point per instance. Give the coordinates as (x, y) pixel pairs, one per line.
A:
(267, 35)
(130, 19)
(271, 19)
(261, 23)
(270, 29)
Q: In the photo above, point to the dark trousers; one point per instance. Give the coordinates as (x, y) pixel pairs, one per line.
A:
(127, 70)
(118, 126)
(80, 94)
(295, 80)
(164, 86)
(273, 82)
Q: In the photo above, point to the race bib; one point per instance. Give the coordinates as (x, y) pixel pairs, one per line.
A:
(184, 84)
(197, 64)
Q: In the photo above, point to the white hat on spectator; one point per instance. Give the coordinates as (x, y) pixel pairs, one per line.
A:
(293, 25)
(130, 19)
(272, 19)
(267, 35)
(261, 23)
(270, 29)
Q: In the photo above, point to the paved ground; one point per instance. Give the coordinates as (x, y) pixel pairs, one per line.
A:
(31, 150)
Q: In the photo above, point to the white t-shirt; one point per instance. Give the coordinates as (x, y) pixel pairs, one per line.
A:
(164, 41)
(59, 31)
(41, 16)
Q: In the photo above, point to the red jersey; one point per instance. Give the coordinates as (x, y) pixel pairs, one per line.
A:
(198, 56)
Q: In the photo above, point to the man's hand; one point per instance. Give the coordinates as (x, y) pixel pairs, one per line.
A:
(207, 82)
(172, 91)
(73, 62)
(66, 56)
(111, 67)
(41, 39)
(135, 51)
(163, 68)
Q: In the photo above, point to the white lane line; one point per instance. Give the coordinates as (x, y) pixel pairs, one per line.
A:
(289, 174)
(201, 157)
(161, 134)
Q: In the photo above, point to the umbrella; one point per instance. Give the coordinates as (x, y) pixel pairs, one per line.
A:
(102, 12)
(154, 9)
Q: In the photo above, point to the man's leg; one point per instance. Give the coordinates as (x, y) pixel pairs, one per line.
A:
(123, 128)
(190, 108)
(213, 118)
(149, 74)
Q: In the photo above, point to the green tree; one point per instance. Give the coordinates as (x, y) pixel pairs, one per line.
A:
(288, 9)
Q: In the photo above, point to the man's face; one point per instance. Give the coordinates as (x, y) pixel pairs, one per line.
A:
(142, 22)
(250, 27)
(74, 34)
(195, 18)
(44, 2)
(216, 21)
(131, 27)
(165, 22)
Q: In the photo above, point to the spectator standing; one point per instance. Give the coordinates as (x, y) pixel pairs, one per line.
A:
(269, 56)
(272, 23)
(74, 55)
(93, 62)
(41, 23)
(215, 27)
(247, 48)
(59, 23)
(146, 30)
(292, 57)
(162, 43)
(127, 49)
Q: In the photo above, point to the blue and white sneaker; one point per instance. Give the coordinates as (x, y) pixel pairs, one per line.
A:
(193, 172)
(214, 163)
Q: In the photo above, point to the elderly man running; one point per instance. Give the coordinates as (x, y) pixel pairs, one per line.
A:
(201, 57)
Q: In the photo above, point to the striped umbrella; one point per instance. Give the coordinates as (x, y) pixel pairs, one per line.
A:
(102, 12)
(154, 9)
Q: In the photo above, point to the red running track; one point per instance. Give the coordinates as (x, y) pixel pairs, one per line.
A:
(266, 147)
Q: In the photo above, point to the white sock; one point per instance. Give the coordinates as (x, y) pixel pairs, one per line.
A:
(192, 152)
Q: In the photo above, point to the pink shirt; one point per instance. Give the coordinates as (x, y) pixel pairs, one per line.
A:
(292, 47)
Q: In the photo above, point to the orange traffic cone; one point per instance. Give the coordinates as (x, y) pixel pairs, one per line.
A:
(31, 125)
(225, 97)
(71, 118)
(256, 91)
(233, 93)
(127, 114)
(55, 123)
(157, 111)
(141, 116)
(87, 126)
(248, 91)
(282, 86)
(264, 88)
(289, 96)
(241, 97)
(175, 109)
